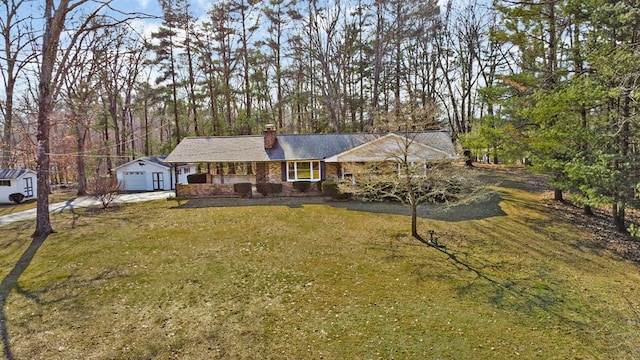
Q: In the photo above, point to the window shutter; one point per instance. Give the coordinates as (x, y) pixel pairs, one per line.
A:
(283, 170)
(323, 170)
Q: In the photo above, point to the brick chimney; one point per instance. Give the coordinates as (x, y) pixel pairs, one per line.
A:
(269, 136)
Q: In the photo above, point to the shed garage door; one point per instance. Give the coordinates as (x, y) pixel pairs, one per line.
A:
(134, 181)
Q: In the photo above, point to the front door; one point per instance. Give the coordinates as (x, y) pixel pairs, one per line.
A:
(158, 182)
(28, 187)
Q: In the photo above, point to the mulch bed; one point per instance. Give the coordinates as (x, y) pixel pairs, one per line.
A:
(600, 225)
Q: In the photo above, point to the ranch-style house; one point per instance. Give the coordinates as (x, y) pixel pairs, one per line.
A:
(295, 159)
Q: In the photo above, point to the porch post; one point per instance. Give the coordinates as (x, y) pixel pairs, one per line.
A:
(174, 178)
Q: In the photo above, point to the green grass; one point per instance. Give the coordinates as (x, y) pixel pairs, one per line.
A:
(317, 281)
(56, 196)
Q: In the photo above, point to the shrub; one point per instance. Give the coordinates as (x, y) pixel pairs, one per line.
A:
(434, 191)
(301, 186)
(244, 189)
(16, 198)
(104, 189)
(269, 188)
(330, 188)
(197, 179)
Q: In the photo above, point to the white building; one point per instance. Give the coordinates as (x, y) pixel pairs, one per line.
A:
(21, 182)
(151, 173)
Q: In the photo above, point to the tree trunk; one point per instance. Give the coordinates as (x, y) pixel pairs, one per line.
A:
(146, 128)
(82, 178)
(414, 221)
(7, 136)
(54, 22)
(557, 195)
(174, 93)
(192, 82)
(618, 212)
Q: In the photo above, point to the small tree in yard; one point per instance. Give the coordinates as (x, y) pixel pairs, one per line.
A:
(405, 173)
(103, 189)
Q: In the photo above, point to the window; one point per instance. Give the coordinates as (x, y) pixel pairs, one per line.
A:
(158, 182)
(28, 187)
(417, 169)
(5, 182)
(303, 171)
(347, 174)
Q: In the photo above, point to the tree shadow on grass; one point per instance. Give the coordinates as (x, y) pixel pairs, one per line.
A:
(509, 293)
(78, 214)
(10, 283)
(69, 206)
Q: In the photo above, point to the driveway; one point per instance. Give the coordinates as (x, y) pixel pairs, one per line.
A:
(85, 201)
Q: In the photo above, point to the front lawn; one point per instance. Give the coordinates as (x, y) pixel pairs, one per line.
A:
(56, 196)
(245, 279)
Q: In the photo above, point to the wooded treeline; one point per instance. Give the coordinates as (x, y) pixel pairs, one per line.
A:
(550, 82)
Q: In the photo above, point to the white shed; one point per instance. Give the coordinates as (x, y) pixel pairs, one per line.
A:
(150, 173)
(17, 181)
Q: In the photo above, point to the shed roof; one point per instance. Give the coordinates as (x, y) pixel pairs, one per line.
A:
(250, 148)
(10, 174)
(156, 159)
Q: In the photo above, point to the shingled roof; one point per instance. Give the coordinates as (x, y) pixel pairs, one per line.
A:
(9, 174)
(250, 148)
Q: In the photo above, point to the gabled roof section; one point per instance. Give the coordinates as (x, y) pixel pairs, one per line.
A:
(219, 149)
(391, 147)
(316, 146)
(154, 160)
(289, 147)
(10, 174)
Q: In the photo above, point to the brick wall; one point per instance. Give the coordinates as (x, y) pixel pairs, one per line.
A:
(266, 172)
(274, 174)
(332, 171)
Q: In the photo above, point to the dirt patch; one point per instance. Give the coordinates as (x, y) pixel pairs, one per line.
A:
(599, 225)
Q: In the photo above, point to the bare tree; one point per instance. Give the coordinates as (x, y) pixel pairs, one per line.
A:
(223, 37)
(50, 74)
(81, 81)
(324, 49)
(54, 24)
(401, 167)
(17, 37)
(249, 24)
(278, 14)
